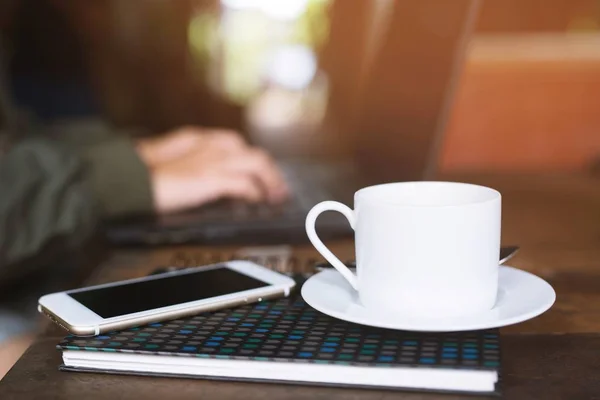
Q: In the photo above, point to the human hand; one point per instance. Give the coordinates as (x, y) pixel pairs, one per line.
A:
(192, 166)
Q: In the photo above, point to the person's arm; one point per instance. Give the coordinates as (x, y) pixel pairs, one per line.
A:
(45, 205)
(180, 169)
(118, 178)
(56, 185)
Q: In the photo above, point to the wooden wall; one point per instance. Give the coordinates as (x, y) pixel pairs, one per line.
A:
(527, 102)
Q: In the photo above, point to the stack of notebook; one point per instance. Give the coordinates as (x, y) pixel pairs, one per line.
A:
(286, 340)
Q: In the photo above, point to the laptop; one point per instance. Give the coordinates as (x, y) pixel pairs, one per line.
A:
(405, 92)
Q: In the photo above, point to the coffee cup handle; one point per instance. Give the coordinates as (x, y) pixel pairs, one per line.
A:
(311, 219)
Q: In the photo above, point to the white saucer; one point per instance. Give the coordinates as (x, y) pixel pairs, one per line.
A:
(521, 296)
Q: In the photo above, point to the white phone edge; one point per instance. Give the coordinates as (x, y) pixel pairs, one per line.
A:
(80, 320)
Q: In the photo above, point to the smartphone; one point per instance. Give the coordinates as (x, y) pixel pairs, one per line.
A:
(120, 305)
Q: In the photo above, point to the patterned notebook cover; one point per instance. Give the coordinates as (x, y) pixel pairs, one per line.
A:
(288, 330)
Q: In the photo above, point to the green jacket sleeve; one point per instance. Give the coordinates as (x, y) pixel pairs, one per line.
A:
(117, 176)
(45, 206)
(55, 187)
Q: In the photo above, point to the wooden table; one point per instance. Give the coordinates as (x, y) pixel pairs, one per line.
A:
(556, 221)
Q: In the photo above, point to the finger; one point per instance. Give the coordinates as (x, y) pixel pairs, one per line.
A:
(269, 174)
(240, 187)
(263, 169)
(177, 189)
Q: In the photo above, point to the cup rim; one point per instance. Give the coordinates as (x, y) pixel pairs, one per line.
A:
(494, 194)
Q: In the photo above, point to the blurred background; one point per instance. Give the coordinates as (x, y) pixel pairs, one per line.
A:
(290, 73)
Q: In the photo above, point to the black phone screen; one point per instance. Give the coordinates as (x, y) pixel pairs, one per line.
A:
(165, 291)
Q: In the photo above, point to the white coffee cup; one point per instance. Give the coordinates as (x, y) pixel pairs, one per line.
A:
(428, 249)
